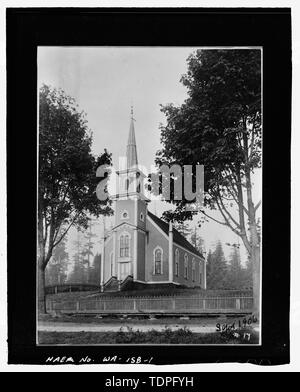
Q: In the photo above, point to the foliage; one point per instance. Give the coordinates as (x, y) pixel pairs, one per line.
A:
(79, 273)
(67, 168)
(227, 275)
(182, 228)
(95, 270)
(221, 113)
(216, 268)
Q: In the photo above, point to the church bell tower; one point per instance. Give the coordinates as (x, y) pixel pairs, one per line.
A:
(130, 211)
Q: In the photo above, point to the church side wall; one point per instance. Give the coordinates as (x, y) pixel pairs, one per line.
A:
(155, 239)
(181, 276)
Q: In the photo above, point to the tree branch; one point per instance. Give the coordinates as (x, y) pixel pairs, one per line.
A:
(257, 205)
(227, 212)
(66, 231)
(227, 221)
(215, 220)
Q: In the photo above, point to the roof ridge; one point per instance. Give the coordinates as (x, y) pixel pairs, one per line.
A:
(185, 242)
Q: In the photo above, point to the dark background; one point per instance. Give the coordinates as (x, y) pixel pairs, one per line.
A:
(28, 28)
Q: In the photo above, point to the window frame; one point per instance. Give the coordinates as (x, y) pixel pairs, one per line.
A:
(193, 269)
(122, 215)
(111, 259)
(124, 254)
(158, 248)
(186, 267)
(177, 255)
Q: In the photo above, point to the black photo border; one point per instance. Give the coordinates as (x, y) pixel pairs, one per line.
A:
(28, 28)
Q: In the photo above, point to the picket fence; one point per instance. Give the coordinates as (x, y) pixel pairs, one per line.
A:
(160, 304)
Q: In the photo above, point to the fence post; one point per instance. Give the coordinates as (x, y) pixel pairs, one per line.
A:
(55, 290)
(77, 306)
(238, 303)
(134, 304)
(204, 304)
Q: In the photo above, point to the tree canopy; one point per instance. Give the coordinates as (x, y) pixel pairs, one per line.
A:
(67, 167)
(213, 126)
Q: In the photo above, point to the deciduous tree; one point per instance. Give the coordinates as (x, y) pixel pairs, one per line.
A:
(219, 126)
(67, 175)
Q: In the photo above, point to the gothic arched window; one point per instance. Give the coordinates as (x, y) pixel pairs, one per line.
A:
(111, 264)
(193, 270)
(124, 245)
(158, 261)
(176, 262)
(185, 266)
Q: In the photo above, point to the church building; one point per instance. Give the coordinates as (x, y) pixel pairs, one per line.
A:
(141, 250)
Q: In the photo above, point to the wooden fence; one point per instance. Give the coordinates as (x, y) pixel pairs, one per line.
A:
(159, 305)
(70, 288)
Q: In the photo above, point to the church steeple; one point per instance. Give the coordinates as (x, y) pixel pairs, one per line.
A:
(131, 152)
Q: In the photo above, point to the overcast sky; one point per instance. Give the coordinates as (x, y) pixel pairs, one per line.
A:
(105, 82)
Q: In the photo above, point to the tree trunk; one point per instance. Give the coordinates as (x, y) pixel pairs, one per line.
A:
(41, 289)
(256, 270)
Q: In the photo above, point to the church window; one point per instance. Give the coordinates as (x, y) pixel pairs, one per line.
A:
(158, 261)
(193, 270)
(142, 217)
(111, 264)
(124, 245)
(185, 266)
(177, 262)
(125, 215)
(127, 184)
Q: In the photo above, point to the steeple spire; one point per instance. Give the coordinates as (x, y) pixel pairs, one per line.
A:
(131, 152)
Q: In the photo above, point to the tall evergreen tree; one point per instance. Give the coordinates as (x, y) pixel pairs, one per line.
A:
(79, 271)
(235, 272)
(95, 270)
(88, 245)
(216, 268)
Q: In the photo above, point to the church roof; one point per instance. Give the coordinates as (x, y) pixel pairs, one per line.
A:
(131, 152)
(178, 238)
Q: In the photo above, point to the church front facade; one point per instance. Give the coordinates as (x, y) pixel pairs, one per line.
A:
(141, 248)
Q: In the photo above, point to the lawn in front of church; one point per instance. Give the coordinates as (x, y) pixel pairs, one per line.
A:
(167, 336)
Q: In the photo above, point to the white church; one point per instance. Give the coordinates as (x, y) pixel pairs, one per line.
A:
(141, 250)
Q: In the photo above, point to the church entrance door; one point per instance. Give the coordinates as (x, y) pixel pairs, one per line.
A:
(124, 270)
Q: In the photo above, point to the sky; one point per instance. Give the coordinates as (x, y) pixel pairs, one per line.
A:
(105, 82)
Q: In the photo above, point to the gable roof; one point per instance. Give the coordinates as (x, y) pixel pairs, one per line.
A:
(178, 238)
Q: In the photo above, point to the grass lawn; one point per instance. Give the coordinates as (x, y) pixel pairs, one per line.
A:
(128, 336)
